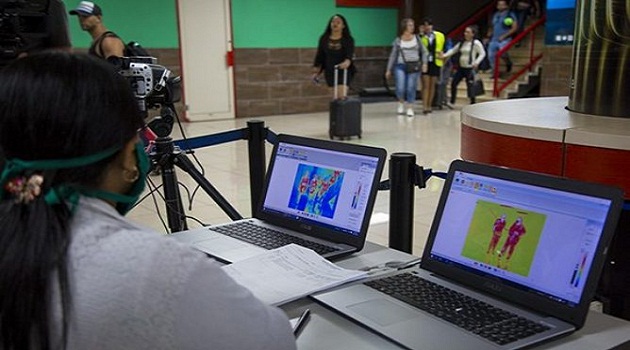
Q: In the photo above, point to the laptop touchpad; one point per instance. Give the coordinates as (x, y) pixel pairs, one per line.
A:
(383, 311)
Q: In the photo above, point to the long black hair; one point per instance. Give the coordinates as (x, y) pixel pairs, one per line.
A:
(52, 106)
(346, 28)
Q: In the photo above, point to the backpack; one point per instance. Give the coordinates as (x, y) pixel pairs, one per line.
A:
(134, 49)
(131, 49)
(484, 65)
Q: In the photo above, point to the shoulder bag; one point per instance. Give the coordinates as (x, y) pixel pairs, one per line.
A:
(410, 67)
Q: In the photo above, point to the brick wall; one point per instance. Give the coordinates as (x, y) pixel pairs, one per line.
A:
(277, 81)
(556, 71)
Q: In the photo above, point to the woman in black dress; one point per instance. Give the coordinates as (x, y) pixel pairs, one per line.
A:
(335, 48)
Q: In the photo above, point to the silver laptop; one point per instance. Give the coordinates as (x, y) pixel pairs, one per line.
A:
(318, 194)
(512, 259)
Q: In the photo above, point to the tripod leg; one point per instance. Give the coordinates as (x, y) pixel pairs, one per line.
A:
(186, 165)
(173, 201)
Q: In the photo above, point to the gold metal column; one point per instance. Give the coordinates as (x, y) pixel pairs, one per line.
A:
(600, 77)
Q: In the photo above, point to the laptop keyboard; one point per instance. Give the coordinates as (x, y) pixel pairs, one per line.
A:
(480, 318)
(268, 238)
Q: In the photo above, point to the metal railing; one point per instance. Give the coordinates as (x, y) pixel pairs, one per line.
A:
(474, 19)
(531, 31)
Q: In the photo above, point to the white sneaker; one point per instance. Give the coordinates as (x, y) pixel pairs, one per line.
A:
(401, 108)
(410, 112)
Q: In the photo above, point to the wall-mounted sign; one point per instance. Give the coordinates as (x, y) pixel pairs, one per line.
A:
(560, 22)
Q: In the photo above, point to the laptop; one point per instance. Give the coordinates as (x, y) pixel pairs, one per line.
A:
(517, 255)
(317, 193)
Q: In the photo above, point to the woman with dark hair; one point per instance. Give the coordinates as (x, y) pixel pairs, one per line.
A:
(471, 54)
(74, 272)
(407, 59)
(335, 49)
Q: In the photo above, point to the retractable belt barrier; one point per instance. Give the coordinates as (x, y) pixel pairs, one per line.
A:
(404, 175)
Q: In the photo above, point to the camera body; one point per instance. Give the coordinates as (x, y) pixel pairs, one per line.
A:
(151, 83)
(154, 87)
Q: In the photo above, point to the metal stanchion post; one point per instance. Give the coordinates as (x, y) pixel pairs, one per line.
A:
(256, 144)
(401, 200)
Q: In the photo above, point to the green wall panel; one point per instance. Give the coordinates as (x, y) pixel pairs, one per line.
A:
(151, 23)
(292, 24)
(255, 23)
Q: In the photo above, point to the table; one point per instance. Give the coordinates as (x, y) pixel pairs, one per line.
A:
(329, 330)
(539, 134)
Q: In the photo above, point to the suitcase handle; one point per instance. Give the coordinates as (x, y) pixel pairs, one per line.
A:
(336, 83)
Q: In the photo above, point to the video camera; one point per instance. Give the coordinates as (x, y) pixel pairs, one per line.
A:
(23, 26)
(154, 87)
(151, 83)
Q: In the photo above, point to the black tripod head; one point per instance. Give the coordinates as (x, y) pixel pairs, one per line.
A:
(162, 124)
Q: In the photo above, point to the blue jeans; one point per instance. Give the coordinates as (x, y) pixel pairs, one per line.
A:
(493, 47)
(406, 84)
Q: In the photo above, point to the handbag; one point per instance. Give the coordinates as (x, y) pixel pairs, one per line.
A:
(410, 67)
(475, 86)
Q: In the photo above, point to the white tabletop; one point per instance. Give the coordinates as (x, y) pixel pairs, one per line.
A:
(329, 330)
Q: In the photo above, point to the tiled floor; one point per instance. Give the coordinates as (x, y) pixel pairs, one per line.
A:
(433, 138)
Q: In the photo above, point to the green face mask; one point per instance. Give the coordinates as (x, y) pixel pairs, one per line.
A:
(71, 194)
(126, 201)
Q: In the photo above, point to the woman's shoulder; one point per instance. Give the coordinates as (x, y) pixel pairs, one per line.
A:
(99, 232)
(121, 252)
(476, 42)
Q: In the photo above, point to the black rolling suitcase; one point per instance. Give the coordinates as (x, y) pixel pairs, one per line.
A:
(345, 114)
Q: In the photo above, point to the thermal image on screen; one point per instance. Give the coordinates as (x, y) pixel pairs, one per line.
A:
(504, 236)
(316, 190)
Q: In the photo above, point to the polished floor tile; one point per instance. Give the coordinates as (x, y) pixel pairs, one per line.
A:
(433, 138)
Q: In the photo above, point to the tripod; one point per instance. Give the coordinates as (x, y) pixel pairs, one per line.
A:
(165, 155)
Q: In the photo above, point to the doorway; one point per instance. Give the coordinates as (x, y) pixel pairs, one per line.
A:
(205, 38)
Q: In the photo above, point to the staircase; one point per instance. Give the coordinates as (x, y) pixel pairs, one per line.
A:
(526, 85)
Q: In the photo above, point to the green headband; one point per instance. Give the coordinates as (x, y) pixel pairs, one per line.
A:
(56, 195)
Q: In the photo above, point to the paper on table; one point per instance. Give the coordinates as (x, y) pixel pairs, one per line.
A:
(288, 273)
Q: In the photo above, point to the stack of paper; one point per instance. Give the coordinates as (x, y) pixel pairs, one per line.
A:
(288, 273)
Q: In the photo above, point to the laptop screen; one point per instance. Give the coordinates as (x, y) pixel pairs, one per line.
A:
(321, 187)
(533, 238)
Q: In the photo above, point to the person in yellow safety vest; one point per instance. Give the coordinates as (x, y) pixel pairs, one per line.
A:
(434, 42)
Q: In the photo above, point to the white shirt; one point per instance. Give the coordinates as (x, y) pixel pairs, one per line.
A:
(478, 53)
(136, 289)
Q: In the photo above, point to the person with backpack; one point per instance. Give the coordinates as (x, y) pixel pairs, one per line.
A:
(105, 43)
(471, 54)
(407, 60)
